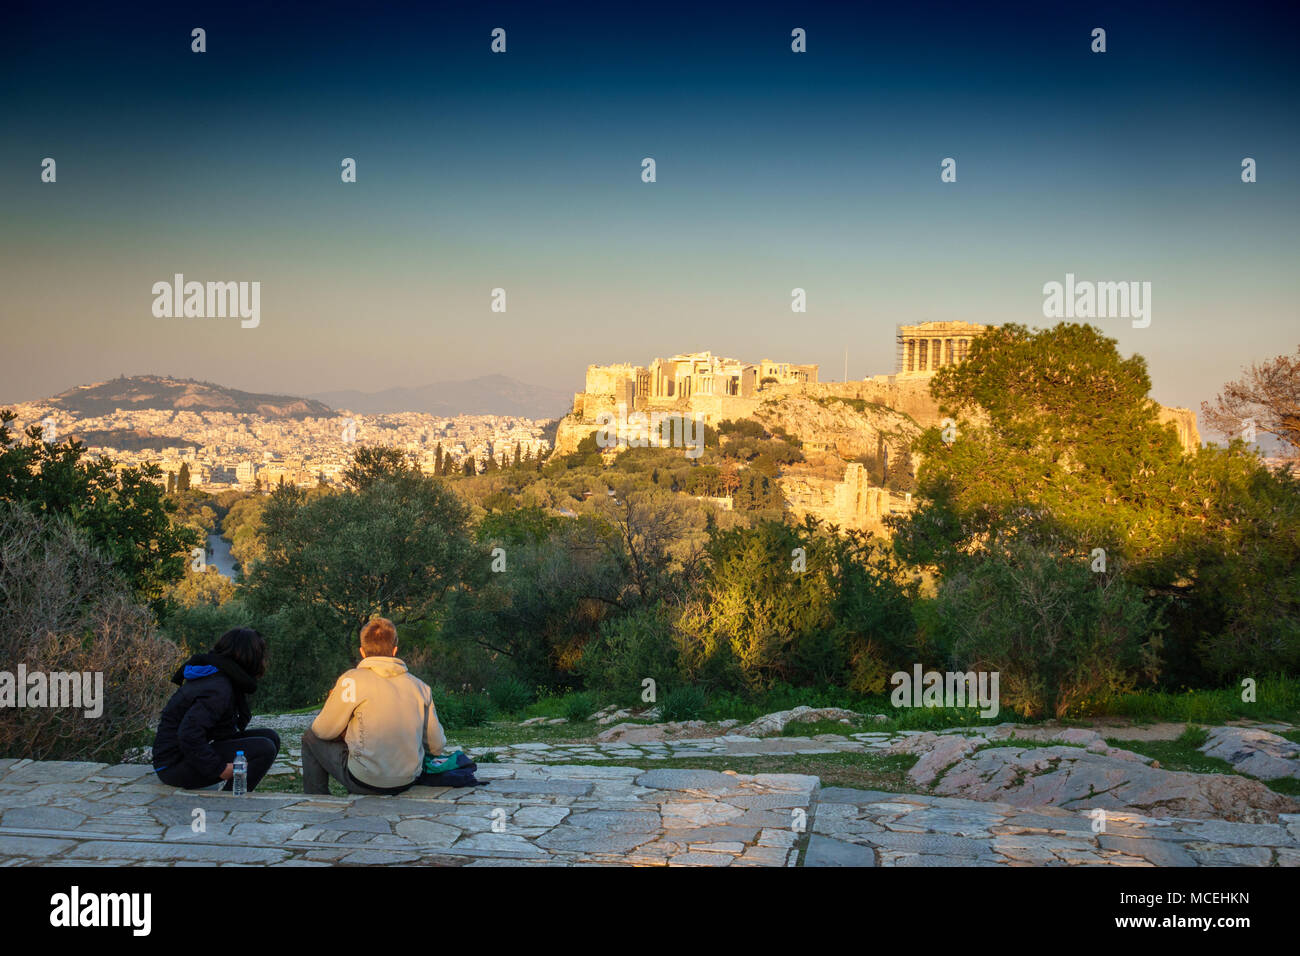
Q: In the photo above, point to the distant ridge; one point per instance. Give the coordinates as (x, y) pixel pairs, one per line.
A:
(486, 395)
(141, 392)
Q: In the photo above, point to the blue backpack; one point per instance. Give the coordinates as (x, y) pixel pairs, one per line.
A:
(456, 770)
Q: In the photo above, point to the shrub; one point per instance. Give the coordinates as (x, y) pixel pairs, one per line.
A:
(66, 610)
(1063, 638)
(509, 696)
(458, 711)
(625, 652)
(577, 707)
(684, 702)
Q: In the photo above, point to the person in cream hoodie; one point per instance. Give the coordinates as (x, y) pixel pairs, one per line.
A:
(377, 725)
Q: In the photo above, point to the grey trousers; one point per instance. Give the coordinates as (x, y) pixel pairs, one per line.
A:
(322, 759)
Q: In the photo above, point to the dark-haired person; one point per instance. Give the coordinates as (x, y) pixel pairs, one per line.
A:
(205, 722)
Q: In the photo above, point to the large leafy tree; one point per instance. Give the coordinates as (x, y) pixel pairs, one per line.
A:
(556, 582)
(125, 513)
(800, 604)
(1056, 443)
(394, 546)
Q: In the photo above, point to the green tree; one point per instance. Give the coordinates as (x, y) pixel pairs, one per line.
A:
(1056, 442)
(1063, 638)
(126, 513)
(395, 546)
(375, 462)
(799, 604)
(555, 591)
(201, 587)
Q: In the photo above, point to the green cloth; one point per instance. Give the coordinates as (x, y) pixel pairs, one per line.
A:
(440, 764)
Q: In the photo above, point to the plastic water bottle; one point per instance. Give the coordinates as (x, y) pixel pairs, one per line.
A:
(239, 782)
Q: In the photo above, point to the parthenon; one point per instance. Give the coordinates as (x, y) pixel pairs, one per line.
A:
(925, 348)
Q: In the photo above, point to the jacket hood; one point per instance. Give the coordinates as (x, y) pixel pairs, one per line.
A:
(205, 665)
(384, 666)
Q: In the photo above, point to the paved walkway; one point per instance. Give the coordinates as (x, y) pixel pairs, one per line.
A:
(118, 815)
(870, 828)
(54, 813)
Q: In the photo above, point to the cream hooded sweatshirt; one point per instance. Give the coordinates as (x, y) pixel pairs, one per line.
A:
(389, 719)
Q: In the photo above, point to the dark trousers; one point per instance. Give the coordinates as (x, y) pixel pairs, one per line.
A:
(260, 748)
(322, 759)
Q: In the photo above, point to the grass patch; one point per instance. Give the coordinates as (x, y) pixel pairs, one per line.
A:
(1026, 743)
(1276, 699)
(860, 771)
(1180, 754)
(500, 733)
(1289, 786)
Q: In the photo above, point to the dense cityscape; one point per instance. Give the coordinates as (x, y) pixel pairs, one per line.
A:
(223, 450)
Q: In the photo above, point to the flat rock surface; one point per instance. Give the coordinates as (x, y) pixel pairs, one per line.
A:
(873, 828)
(1254, 751)
(1084, 772)
(1075, 801)
(82, 813)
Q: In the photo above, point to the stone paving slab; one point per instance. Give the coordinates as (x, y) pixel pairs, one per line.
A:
(872, 828)
(596, 803)
(69, 814)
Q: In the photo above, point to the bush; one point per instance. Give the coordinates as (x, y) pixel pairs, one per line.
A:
(625, 652)
(66, 611)
(458, 711)
(577, 707)
(301, 664)
(685, 702)
(1064, 639)
(509, 696)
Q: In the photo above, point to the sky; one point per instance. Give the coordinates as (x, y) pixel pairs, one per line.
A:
(522, 171)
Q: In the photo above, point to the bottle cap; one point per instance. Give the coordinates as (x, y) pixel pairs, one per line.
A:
(239, 753)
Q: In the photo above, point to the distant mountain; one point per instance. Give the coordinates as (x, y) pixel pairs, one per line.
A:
(486, 395)
(141, 392)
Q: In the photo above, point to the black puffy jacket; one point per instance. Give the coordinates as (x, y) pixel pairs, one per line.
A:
(210, 705)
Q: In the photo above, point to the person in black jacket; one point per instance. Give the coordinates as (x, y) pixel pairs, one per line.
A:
(205, 722)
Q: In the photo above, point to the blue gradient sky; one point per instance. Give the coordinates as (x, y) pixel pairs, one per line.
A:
(522, 171)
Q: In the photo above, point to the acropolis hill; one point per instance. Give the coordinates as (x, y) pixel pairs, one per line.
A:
(835, 422)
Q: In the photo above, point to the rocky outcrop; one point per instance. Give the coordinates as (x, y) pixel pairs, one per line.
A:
(776, 722)
(1253, 751)
(1088, 775)
(647, 733)
(849, 429)
(570, 433)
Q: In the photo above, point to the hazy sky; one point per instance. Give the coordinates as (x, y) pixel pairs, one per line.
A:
(523, 171)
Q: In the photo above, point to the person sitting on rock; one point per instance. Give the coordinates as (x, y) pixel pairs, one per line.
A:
(204, 725)
(376, 726)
